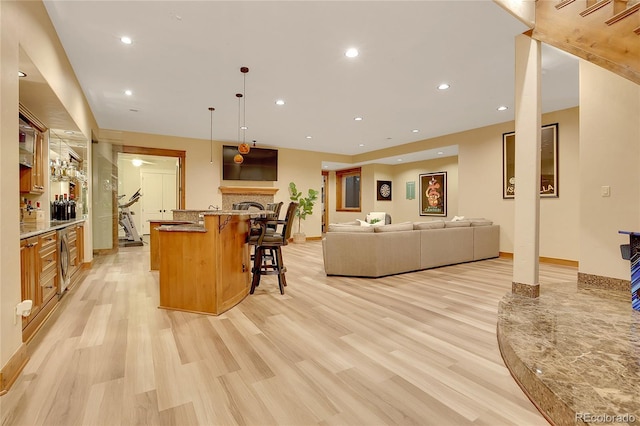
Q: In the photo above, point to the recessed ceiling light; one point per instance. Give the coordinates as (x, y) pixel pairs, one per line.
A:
(308, 137)
(243, 128)
(351, 53)
(399, 159)
(280, 102)
(415, 131)
(358, 118)
(443, 86)
(361, 144)
(502, 108)
(126, 40)
(128, 92)
(21, 74)
(440, 153)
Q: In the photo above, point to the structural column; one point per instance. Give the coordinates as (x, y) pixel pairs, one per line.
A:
(527, 167)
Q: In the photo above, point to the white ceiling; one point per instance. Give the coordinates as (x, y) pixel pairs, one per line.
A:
(186, 56)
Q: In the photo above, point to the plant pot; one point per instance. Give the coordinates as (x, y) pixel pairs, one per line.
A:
(299, 237)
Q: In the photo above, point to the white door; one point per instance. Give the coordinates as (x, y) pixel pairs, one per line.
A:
(159, 197)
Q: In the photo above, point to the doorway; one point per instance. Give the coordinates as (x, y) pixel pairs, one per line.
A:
(141, 168)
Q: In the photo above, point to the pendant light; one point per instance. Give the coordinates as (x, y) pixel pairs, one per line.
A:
(238, 158)
(244, 147)
(211, 109)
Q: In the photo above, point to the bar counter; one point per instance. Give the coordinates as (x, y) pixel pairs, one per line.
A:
(205, 268)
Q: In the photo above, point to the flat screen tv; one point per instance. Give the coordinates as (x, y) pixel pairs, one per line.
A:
(258, 164)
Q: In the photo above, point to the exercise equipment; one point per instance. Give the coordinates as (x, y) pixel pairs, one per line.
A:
(132, 238)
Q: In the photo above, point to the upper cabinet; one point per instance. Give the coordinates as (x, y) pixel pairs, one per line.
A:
(31, 140)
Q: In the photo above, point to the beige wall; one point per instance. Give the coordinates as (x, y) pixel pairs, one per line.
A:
(609, 155)
(25, 27)
(480, 162)
(474, 181)
(10, 334)
(203, 179)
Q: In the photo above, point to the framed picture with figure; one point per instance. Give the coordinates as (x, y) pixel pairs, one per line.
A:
(433, 194)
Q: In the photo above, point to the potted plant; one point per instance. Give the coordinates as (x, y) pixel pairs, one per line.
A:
(305, 207)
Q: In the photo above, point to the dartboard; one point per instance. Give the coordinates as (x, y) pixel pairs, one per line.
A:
(385, 190)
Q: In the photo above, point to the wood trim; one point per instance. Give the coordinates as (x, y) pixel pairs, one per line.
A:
(35, 122)
(625, 13)
(236, 190)
(563, 3)
(11, 370)
(43, 315)
(542, 259)
(339, 177)
(588, 11)
(325, 200)
(182, 158)
(562, 262)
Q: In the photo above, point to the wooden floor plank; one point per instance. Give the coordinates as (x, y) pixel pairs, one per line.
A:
(417, 348)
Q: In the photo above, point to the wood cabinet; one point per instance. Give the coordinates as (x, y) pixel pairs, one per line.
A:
(39, 279)
(205, 270)
(75, 235)
(72, 235)
(32, 178)
(29, 276)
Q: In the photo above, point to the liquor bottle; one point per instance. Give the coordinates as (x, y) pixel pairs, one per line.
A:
(52, 208)
(72, 207)
(65, 208)
(59, 208)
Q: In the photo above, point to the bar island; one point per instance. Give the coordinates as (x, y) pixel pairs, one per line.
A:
(205, 268)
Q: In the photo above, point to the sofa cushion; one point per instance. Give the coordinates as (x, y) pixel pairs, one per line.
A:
(404, 226)
(480, 222)
(337, 227)
(457, 224)
(434, 224)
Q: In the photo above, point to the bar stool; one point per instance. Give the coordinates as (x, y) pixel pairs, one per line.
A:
(273, 242)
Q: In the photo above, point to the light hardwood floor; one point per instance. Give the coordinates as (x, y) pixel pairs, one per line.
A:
(416, 348)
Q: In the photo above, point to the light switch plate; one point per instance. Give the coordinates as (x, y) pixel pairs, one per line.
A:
(605, 191)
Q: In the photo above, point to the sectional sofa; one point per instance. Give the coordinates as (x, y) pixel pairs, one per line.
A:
(377, 251)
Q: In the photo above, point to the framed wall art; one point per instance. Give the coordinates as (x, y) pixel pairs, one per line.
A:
(548, 162)
(383, 190)
(433, 194)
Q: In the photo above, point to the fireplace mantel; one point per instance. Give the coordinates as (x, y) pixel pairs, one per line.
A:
(252, 190)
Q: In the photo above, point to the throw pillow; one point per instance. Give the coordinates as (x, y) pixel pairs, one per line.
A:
(376, 215)
(457, 218)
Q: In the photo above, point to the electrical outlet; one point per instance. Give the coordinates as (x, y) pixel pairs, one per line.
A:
(605, 191)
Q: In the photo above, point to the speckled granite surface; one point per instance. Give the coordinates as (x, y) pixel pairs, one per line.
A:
(576, 352)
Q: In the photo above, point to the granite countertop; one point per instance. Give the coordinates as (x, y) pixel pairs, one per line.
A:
(32, 229)
(252, 213)
(193, 227)
(198, 227)
(172, 221)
